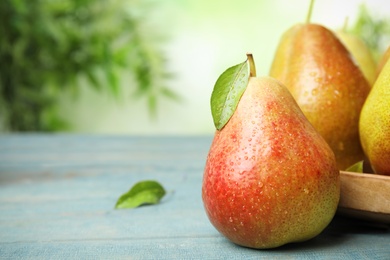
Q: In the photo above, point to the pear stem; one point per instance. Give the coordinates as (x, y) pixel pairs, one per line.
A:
(252, 67)
(308, 17)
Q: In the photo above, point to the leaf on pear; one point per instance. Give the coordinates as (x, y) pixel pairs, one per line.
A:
(142, 193)
(227, 93)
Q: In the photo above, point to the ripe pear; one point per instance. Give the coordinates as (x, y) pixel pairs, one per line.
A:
(361, 54)
(327, 85)
(270, 178)
(374, 124)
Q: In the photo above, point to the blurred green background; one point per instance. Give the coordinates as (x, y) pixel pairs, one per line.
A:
(145, 67)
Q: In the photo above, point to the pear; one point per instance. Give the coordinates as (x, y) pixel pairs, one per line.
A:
(382, 61)
(361, 54)
(270, 178)
(326, 83)
(374, 124)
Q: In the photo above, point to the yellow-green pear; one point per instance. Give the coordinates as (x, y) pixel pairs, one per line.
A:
(361, 54)
(374, 124)
(326, 83)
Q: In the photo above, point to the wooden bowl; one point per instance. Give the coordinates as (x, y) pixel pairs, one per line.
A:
(365, 196)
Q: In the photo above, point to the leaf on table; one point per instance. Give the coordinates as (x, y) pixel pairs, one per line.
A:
(142, 193)
(227, 92)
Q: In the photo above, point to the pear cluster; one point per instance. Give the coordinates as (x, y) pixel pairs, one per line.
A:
(327, 84)
(330, 76)
(272, 174)
(270, 178)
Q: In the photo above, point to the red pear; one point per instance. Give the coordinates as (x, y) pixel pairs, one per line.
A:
(270, 178)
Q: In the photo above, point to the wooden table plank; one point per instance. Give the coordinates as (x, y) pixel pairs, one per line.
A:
(57, 194)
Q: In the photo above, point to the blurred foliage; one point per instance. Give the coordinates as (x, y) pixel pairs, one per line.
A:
(49, 46)
(374, 30)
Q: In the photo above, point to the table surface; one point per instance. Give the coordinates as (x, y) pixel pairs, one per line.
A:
(57, 197)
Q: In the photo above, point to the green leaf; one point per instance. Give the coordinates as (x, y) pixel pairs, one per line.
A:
(373, 29)
(357, 167)
(113, 81)
(143, 192)
(227, 93)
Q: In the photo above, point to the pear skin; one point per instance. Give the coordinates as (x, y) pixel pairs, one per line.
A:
(270, 178)
(374, 124)
(327, 85)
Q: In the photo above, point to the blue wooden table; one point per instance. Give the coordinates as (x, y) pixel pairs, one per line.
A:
(57, 197)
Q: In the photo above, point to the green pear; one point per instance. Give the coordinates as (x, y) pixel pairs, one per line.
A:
(361, 54)
(374, 124)
(270, 178)
(327, 85)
